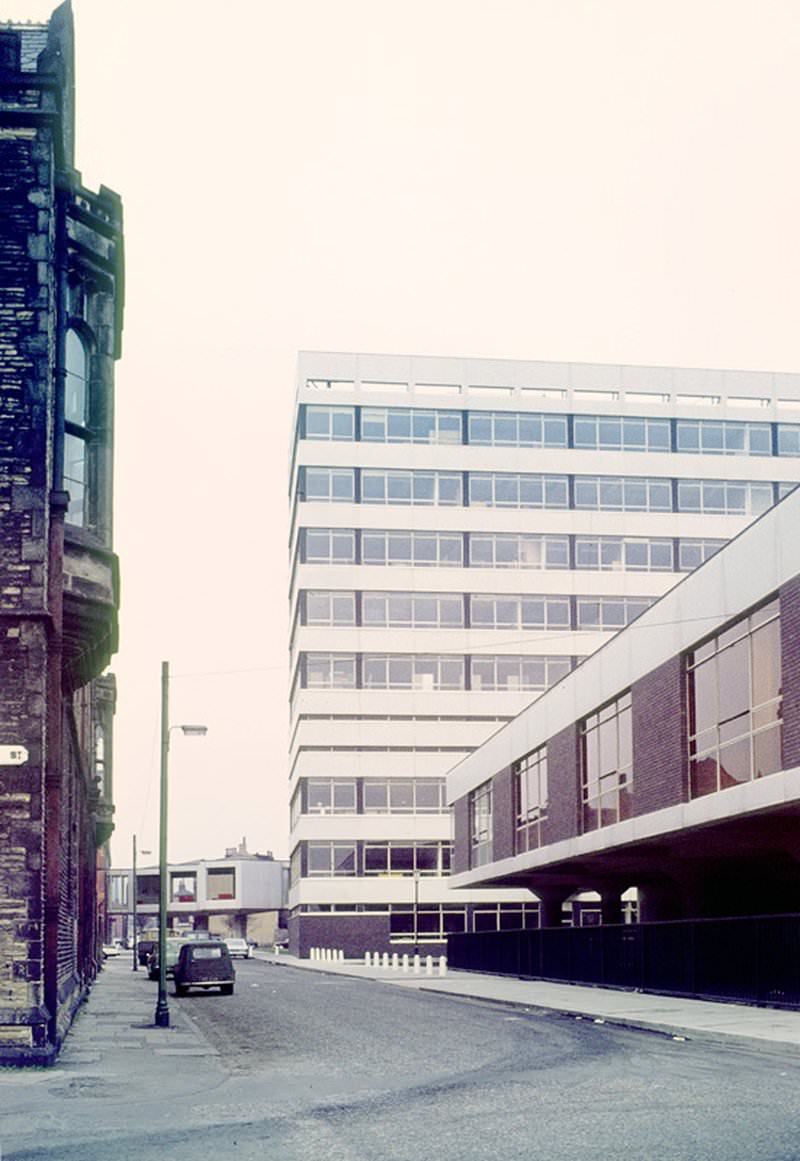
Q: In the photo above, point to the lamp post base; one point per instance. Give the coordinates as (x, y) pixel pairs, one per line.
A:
(162, 1014)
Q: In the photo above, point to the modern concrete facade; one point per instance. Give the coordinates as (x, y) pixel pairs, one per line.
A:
(670, 759)
(463, 534)
(242, 894)
(61, 295)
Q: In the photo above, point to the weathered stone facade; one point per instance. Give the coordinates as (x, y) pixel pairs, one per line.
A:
(60, 328)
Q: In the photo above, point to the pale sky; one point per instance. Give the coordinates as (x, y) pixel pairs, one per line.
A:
(589, 180)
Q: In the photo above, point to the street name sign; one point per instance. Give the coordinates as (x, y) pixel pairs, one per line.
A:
(13, 755)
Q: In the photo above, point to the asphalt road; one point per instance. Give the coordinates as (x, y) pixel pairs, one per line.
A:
(326, 1067)
(339, 1068)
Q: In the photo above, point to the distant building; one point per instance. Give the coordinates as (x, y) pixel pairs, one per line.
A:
(61, 294)
(243, 894)
(463, 533)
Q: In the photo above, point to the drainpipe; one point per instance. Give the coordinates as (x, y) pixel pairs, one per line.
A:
(54, 742)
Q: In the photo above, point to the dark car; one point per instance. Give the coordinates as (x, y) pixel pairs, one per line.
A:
(173, 950)
(143, 949)
(204, 964)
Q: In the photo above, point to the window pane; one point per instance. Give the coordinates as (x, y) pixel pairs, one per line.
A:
(376, 796)
(401, 797)
(376, 860)
(766, 646)
(75, 388)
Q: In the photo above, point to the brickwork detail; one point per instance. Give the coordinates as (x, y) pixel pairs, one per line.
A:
(461, 836)
(563, 777)
(660, 738)
(503, 818)
(790, 663)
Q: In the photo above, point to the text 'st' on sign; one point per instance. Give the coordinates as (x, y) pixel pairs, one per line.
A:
(13, 755)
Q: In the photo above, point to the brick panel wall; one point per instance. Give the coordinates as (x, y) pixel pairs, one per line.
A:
(461, 835)
(563, 777)
(350, 933)
(660, 775)
(503, 814)
(790, 664)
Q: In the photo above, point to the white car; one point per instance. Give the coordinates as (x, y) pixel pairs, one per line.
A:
(239, 947)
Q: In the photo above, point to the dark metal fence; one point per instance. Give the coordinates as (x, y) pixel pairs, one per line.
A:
(754, 960)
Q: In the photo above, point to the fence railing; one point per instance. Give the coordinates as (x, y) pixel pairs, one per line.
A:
(753, 960)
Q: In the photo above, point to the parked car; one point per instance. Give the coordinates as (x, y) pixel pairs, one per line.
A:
(204, 964)
(239, 947)
(173, 949)
(110, 949)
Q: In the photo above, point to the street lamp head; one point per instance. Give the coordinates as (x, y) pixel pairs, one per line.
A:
(194, 731)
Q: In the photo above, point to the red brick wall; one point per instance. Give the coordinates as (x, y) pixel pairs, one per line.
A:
(503, 814)
(790, 664)
(660, 761)
(461, 835)
(353, 934)
(563, 776)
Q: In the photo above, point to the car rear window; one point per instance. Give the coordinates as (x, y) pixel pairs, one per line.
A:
(206, 953)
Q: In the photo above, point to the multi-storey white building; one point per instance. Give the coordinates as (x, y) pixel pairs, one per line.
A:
(463, 532)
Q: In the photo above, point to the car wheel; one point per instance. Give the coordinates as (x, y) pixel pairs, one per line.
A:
(226, 989)
(180, 990)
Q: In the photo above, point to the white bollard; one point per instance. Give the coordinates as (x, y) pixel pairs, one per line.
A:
(428, 965)
(312, 953)
(416, 964)
(405, 961)
(395, 961)
(327, 955)
(385, 963)
(341, 956)
(442, 965)
(367, 959)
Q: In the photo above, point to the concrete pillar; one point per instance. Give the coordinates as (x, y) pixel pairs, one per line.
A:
(659, 900)
(611, 905)
(551, 900)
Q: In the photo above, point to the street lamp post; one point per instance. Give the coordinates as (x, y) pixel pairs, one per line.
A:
(162, 1007)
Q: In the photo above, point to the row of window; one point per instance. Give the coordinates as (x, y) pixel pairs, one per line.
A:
(425, 671)
(434, 921)
(466, 610)
(530, 490)
(503, 550)
(336, 859)
(523, 429)
(734, 736)
(368, 796)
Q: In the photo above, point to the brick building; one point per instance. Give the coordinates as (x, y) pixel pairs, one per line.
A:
(61, 292)
(668, 762)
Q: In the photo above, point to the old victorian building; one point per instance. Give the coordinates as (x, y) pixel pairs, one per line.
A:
(60, 327)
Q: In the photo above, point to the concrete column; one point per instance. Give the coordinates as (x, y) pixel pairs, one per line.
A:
(611, 905)
(659, 900)
(551, 900)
